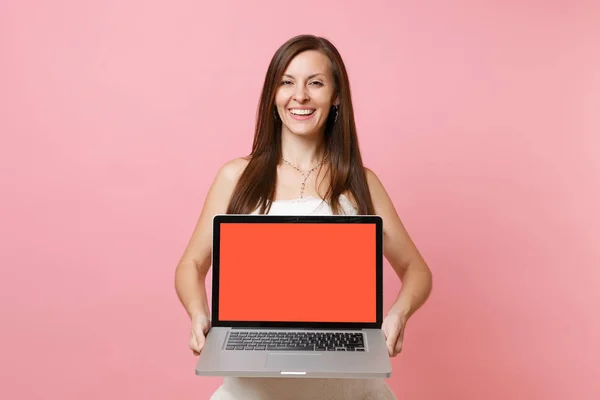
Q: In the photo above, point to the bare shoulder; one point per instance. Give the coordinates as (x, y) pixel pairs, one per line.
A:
(379, 195)
(373, 183)
(382, 202)
(372, 179)
(224, 182)
(216, 202)
(231, 171)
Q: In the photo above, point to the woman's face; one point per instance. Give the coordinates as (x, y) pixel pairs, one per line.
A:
(306, 94)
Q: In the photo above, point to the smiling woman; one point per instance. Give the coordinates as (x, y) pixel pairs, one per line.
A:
(305, 159)
(306, 94)
(305, 134)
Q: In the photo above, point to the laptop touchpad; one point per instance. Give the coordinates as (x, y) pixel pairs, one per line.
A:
(293, 362)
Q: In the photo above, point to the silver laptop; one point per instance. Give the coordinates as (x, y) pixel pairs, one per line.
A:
(296, 296)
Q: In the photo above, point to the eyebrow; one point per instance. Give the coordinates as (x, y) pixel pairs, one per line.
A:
(309, 77)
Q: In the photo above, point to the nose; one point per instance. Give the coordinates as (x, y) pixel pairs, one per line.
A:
(300, 95)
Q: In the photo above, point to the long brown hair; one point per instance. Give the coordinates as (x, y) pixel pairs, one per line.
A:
(256, 186)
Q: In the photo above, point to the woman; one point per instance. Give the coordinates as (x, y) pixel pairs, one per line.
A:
(305, 159)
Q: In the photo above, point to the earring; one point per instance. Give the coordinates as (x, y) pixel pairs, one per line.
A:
(275, 116)
(336, 114)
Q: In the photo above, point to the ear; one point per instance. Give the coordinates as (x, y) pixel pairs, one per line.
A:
(336, 101)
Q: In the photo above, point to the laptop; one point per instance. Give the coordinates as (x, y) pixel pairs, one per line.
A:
(296, 296)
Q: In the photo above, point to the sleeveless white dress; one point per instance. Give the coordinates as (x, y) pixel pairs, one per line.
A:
(304, 388)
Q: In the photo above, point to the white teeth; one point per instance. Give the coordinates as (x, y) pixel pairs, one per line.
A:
(302, 112)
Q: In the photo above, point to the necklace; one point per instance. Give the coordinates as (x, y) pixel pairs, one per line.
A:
(304, 174)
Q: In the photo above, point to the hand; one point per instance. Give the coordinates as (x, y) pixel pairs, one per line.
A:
(199, 329)
(393, 329)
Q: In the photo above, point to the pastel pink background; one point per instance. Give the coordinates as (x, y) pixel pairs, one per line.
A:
(482, 118)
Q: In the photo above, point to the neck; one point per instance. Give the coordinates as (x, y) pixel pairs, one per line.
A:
(303, 151)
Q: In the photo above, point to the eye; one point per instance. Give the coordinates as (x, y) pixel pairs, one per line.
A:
(286, 82)
(317, 83)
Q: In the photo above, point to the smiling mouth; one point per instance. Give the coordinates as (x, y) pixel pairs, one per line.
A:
(302, 112)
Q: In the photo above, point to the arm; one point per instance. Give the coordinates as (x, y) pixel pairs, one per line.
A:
(191, 271)
(401, 253)
(405, 259)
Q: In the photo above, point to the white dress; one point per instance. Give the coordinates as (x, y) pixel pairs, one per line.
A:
(304, 388)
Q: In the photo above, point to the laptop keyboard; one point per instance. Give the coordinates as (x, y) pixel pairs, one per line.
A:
(295, 341)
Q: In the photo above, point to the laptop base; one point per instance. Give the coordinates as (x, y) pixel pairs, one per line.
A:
(215, 360)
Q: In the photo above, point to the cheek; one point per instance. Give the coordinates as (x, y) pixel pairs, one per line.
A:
(323, 100)
(282, 96)
(279, 99)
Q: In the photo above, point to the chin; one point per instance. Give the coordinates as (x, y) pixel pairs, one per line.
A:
(304, 132)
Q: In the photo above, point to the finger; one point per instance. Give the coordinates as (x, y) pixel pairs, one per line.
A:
(196, 342)
(208, 325)
(193, 345)
(392, 337)
(204, 325)
(193, 342)
(391, 344)
(398, 344)
(398, 347)
(201, 339)
(385, 329)
(394, 330)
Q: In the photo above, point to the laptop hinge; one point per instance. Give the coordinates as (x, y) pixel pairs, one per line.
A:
(296, 329)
